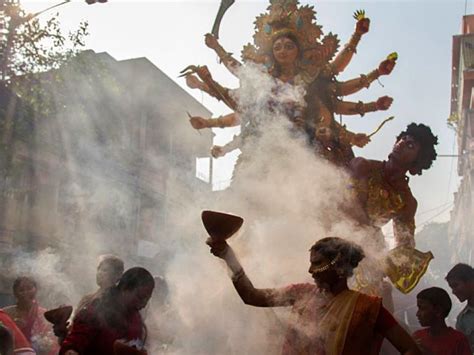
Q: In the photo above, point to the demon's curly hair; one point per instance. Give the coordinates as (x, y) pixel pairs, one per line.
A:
(349, 254)
(427, 140)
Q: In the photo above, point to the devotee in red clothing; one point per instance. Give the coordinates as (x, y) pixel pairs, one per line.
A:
(21, 345)
(109, 271)
(112, 317)
(449, 342)
(327, 318)
(437, 338)
(29, 317)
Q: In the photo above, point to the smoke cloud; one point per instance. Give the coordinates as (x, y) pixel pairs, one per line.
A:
(288, 196)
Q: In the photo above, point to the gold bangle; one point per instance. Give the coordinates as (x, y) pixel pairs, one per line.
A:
(359, 108)
(371, 107)
(351, 48)
(364, 80)
(215, 122)
(373, 75)
(353, 42)
(227, 56)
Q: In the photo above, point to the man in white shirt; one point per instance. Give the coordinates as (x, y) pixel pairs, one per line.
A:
(461, 280)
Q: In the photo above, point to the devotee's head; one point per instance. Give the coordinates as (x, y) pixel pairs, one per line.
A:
(24, 289)
(415, 148)
(333, 259)
(109, 271)
(461, 281)
(434, 306)
(135, 288)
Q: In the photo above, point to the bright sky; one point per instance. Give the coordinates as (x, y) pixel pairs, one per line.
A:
(170, 34)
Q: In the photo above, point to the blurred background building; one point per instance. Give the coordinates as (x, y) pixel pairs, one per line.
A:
(98, 161)
(461, 227)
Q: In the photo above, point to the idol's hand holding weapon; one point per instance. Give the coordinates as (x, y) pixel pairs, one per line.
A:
(230, 120)
(206, 83)
(360, 140)
(217, 151)
(211, 41)
(386, 67)
(226, 58)
(361, 108)
(383, 103)
(349, 87)
(317, 73)
(194, 83)
(363, 23)
(198, 122)
(343, 58)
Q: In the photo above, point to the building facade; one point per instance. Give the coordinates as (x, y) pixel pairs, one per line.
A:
(461, 228)
(100, 163)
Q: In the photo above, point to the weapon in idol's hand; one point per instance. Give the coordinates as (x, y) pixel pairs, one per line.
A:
(225, 4)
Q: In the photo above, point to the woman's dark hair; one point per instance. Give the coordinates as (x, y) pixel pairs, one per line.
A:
(438, 298)
(109, 308)
(348, 253)
(427, 141)
(23, 279)
(134, 278)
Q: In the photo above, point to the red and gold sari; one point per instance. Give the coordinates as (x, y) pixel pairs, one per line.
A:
(348, 323)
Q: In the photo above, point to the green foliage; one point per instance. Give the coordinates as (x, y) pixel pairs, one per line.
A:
(30, 45)
(41, 47)
(31, 50)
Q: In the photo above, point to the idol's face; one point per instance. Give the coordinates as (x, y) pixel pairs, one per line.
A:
(285, 51)
(323, 273)
(405, 151)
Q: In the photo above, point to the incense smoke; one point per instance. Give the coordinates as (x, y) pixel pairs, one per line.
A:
(288, 196)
